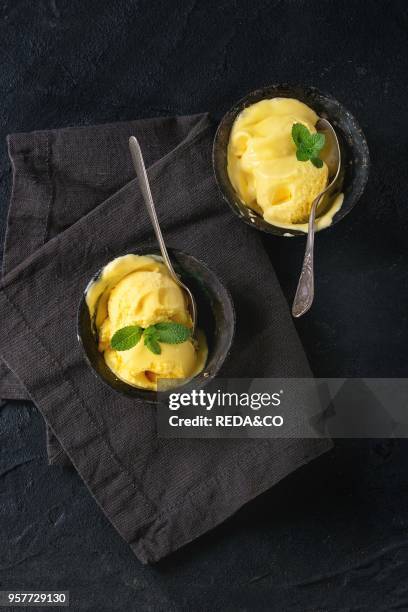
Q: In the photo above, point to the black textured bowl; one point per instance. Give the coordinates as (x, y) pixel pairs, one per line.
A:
(216, 317)
(354, 149)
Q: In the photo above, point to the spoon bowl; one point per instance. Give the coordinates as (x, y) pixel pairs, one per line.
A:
(331, 150)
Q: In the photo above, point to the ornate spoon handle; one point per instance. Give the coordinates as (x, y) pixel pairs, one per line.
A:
(305, 289)
(144, 185)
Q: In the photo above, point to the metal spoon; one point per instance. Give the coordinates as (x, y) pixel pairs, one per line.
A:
(141, 173)
(332, 156)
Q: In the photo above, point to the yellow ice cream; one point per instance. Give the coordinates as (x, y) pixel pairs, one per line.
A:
(138, 290)
(263, 168)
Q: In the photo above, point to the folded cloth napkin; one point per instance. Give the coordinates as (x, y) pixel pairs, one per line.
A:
(36, 214)
(75, 206)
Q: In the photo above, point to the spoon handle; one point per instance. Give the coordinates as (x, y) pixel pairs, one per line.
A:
(305, 289)
(141, 173)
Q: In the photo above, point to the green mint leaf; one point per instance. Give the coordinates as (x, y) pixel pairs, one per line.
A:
(317, 162)
(126, 337)
(308, 146)
(151, 343)
(317, 141)
(150, 331)
(172, 333)
(300, 134)
(302, 154)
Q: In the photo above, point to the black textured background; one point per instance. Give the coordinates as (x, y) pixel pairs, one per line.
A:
(334, 536)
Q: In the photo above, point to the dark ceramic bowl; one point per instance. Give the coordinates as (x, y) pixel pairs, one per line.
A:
(355, 155)
(216, 317)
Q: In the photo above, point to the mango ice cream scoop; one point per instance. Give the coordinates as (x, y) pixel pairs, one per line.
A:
(262, 163)
(138, 290)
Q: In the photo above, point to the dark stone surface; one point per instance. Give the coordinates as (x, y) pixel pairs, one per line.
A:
(333, 536)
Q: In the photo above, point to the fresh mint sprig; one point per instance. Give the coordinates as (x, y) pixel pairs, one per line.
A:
(126, 337)
(308, 145)
(166, 332)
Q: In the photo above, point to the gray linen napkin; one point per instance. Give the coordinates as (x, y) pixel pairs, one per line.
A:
(73, 215)
(53, 188)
